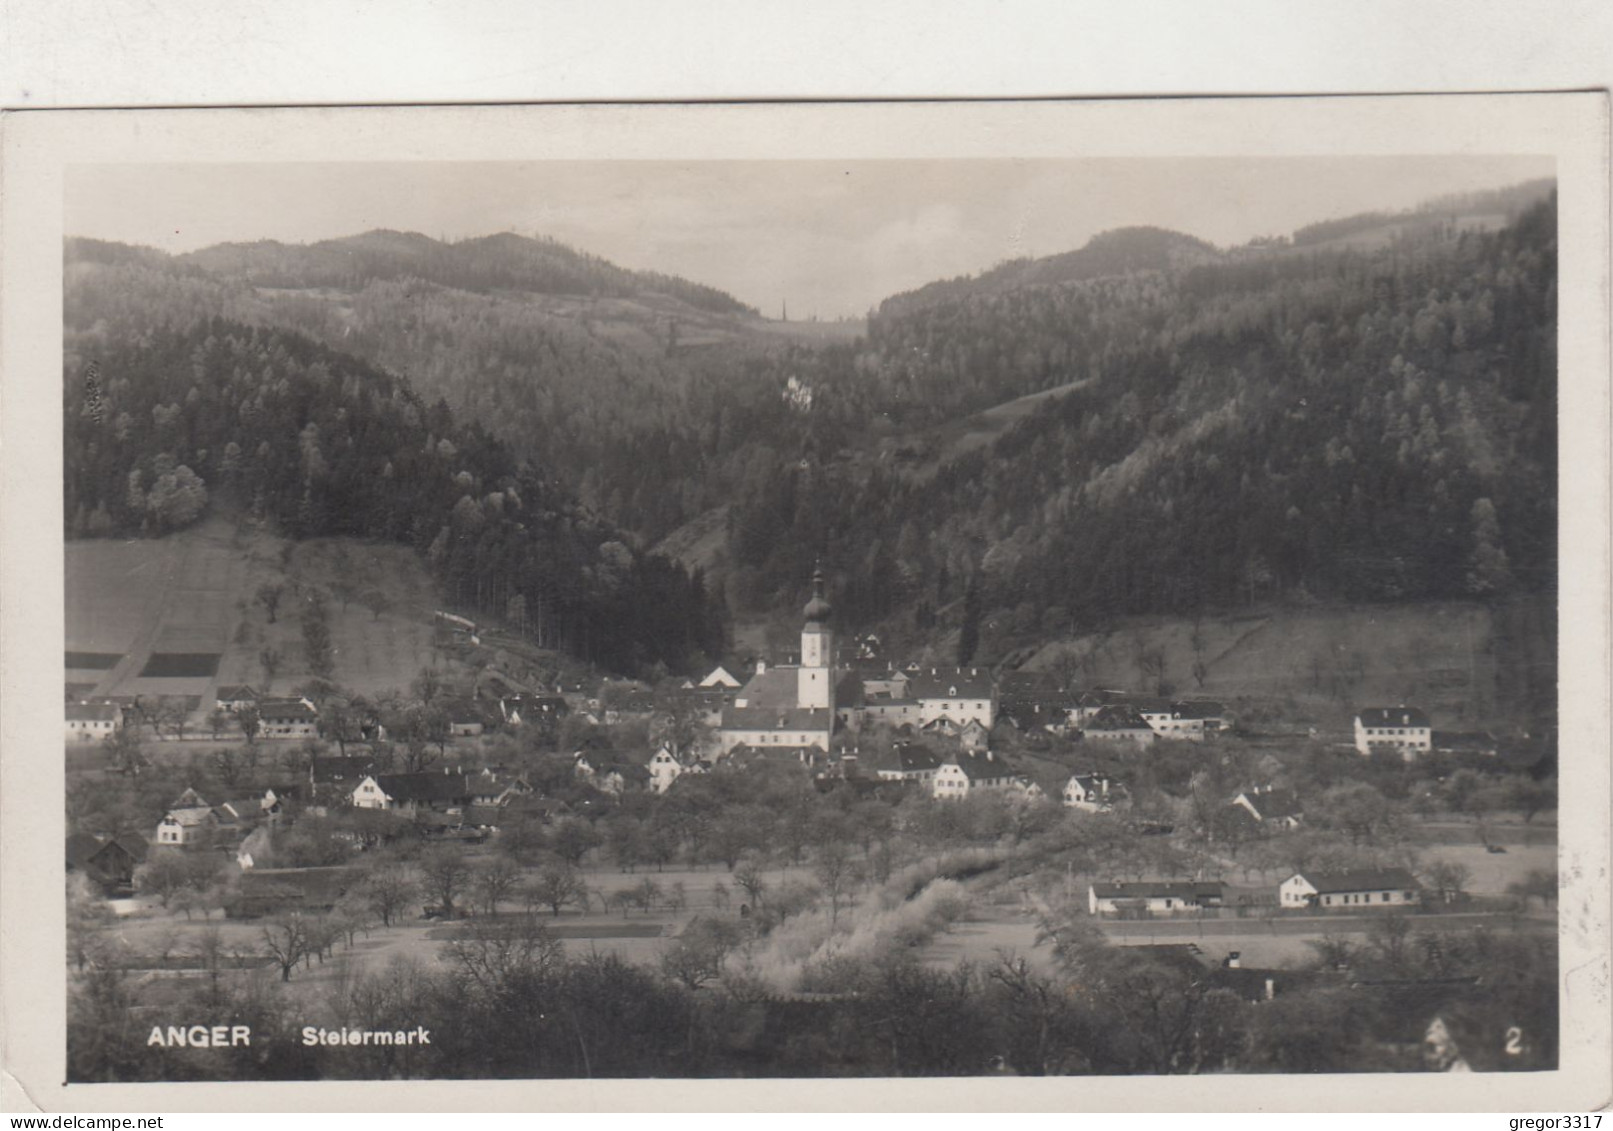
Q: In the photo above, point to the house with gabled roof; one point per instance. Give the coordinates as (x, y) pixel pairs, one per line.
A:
(414, 793)
(106, 861)
(972, 771)
(959, 694)
(232, 697)
(664, 769)
(720, 677)
(287, 717)
(183, 827)
(87, 721)
(905, 761)
(1148, 898)
(1358, 890)
(1401, 730)
(1118, 724)
(1089, 793)
(1271, 807)
(1169, 722)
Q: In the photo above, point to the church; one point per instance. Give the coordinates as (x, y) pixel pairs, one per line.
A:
(789, 705)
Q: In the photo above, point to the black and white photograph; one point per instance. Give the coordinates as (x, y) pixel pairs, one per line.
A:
(569, 613)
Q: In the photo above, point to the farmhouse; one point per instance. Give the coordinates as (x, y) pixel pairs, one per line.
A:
(1271, 807)
(1403, 730)
(1168, 721)
(182, 827)
(972, 771)
(1384, 887)
(235, 696)
(413, 793)
(287, 718)
(1211, 714)
(93, 720)
(1118, 724)
(1154, 897)
(107, 861)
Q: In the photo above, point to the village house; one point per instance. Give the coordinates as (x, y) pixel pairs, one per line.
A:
(181, 828)
(106, 861)
(414, 793)
(971, 771)
(517, 710)
(1271, 807)
(1351, 891)
(959, 694)
(1212, 715)
(287, 718)
(721, 678)
(907, 761)
(1089, 704)
(232, 697)
(1402, 730)
(1147, 898)
(664, 769)
(1088, 792)
(86, 721)
(1168, 720)
(1118, 724)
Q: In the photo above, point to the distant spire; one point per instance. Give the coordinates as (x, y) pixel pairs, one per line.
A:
(784, 311)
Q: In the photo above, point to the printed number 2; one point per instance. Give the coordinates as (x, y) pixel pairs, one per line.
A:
(1514, 1041)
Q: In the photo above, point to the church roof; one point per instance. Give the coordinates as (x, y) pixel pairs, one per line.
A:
(778, 718)
(773, 688)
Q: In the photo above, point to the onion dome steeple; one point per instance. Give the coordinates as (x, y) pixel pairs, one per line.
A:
(818, 609)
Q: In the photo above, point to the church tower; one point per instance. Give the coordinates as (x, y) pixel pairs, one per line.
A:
(815, 678)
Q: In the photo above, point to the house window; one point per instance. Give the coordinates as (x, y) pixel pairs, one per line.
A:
(1386, 897)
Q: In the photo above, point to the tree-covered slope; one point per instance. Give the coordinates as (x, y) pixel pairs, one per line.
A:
(163, 424)
(1361, 425)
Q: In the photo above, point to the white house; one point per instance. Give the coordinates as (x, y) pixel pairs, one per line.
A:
(664, 770)
(972, 771)
(1169, 721)
(1404, 730)
(961, 695)
(1349, 891)
(287, 718)
(909, 762)
(86, 721)
(186, 826)
(1154, 897)
(1087, 792)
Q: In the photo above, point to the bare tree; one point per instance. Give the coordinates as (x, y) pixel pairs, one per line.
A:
(388, 890)
(492, 882)
(837, 873)
(557, 887)
(268, 596)
(286, 941)
(444, 874)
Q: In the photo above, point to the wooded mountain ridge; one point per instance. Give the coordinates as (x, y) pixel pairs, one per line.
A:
(1364, 413)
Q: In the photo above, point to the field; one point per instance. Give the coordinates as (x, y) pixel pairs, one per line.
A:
(176, 616)
(1457, 661)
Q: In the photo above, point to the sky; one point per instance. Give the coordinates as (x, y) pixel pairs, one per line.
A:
(830, 239)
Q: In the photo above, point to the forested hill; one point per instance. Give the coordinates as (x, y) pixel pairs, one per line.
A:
(501, 262)
(162, 424)
(1374, 423)
(1123, 251)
